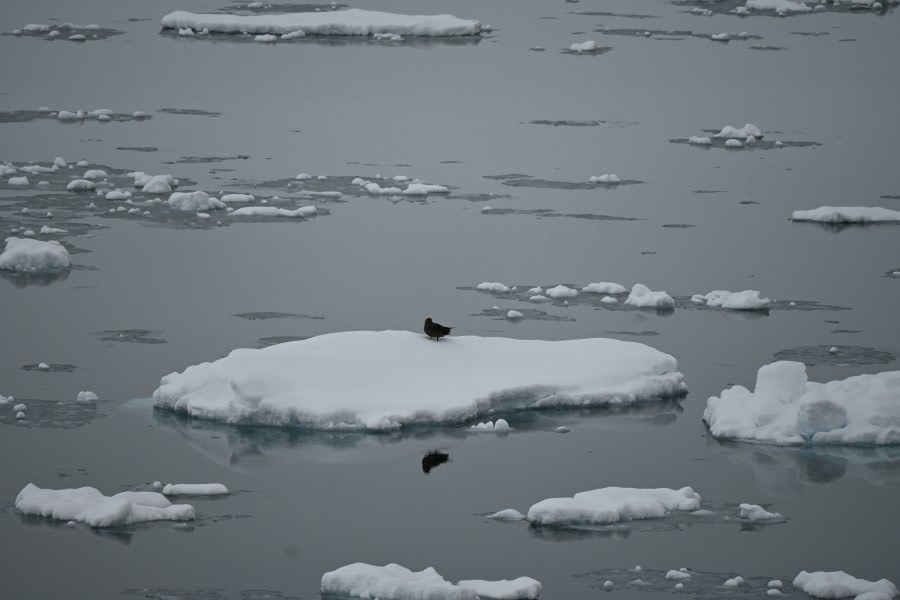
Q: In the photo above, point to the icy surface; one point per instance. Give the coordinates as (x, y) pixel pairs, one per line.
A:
(346, 22)
(508, 514)
(306, 384)
(194, 489)
(193, 201)
(847, 214)
(746, 300)
(641, 296)
(604, 287)
(755, 512)
(787, 409)
(87, 505)
(523, 587)
(748, 130)
(838, 584)
(272, 211)
(612, 505)
(34, 256)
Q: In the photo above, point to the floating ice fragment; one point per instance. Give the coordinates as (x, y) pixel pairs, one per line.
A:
(86, 397)
(509, 514)
(194, 489)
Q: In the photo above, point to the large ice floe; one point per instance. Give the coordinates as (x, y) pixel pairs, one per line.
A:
(785, 408)
(88, 505)
(376, 380)
(356, 22)
(34, 256)
(847, 214)
(609, 505)
(838, 584)
(395, 582)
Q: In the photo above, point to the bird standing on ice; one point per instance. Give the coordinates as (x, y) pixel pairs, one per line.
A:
(435, 330)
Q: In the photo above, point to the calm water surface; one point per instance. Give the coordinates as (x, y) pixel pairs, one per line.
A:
(450, 113)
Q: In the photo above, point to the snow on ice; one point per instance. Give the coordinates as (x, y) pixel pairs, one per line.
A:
(194, 489)
(746, 300)
(302, 384)
(785, 408)
(346, 22)
(838, 584)
(394, 582)
(642, 297)
(612, 505)
(34, 256)
(88, 505)
(604, 287)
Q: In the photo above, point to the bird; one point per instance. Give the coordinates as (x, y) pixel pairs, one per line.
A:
(433, 459)
(435, 330)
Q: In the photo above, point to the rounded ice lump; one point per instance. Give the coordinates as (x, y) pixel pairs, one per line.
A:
(385, 380)
(787, 409)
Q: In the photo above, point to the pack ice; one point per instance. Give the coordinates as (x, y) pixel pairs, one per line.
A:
(785, 408)
(345, 22)
(385, 380)
(88, 505)
(395, 582)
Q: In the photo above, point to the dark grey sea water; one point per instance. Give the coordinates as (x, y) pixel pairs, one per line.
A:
(154, 294)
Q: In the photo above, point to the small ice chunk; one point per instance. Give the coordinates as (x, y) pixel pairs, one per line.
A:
(679, 586)
(492, 426)
(838, 584)
(489, 286)
(562, 291)
(678, 575)
(562, 429)
(86, 397)
(81, 185)
(538, 298)
(583, 46)
(604, 287)
(699, 140)
(19, 408)
(608, 585)
(833, 350)
(734, 581)
(26, 255)
(509, 514)
(194, 489)
(641, 296)
(755, 512)
(733, 143)
(605, 178)
(20, 416)
(514, 314)
(775, 583)
(19, 181)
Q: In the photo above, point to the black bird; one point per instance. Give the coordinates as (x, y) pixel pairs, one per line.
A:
(433, 459)
(435, 330)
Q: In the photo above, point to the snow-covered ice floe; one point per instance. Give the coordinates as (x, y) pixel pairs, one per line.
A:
(356, 22)
(838, 584)
(194, 489)
(34, 256)
(642, 297)
(785, 408)
(394, 582)
(746, 300)
(306, 384)
(755, 512)
(847, 214)
(272, 211)
(88, 505)
(612, 505)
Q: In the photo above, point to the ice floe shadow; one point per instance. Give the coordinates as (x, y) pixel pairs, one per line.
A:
(199, 160)
(527, 181)
(51, 414)
(836, 355)
(190, 112)
(134, 336)
(738, 7)
(787, 470)
(588, 13)
(550, 213)
(839, 227)
(660, 34)
(248, 447)
(23, 280)
(51, 368)
(699, 585)
(69, 32)
(333, 41)
(264, 316)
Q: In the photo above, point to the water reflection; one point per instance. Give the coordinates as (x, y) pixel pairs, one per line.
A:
(787, 470)
(248, 448)
(22, 280)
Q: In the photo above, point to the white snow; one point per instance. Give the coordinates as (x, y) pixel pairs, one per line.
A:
(779, 6)
(7, 170)
(303, 176)
(489, 286)
(787, 409)
(609, 300)
(536, 290)
(678, 575)
(86, 397)
(539, 298)
(232, 198)
(157, 185)
(271, 211)
(641, 296)
(423, 189)
(847, 214)
(746, 300)
(734, 581)
(141, 180)
(34, 256)
(514, 314)
(605, 178)
(194, 489)
(561, 291)
(508, 514)
(741, 133)
(354, 21)
(838, 584)
(394, 582)
(118, 195)
(492, 426)
(699, 140)
(612, 505)
(775, 584)
(523, 587)
(43, 366)
(22, 180)
(19, 408)
(266, 38)
(88, 505)
(755, 512)
(95, 174)
(306, 383)
(720, 37)
(604, 287)
(733, 143)
(193, 201)
(20, 415)
(583, 46)
(80, 185)
(293, 35)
